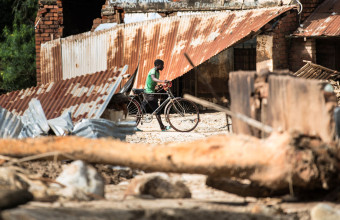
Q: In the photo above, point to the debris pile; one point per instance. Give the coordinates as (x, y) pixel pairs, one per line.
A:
(33, 123)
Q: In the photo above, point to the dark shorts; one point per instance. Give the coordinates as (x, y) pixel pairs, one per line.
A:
(150, 103)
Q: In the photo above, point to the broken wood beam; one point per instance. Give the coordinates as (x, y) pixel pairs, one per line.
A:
(273, 163)
(252, 122)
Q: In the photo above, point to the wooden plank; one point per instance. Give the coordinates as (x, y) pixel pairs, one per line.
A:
(241, 85)
(300, 105)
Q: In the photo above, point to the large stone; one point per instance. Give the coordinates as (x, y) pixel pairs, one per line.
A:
(81, 181)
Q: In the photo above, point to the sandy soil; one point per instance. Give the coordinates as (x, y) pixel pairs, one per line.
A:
(210, 124)
(206, 203)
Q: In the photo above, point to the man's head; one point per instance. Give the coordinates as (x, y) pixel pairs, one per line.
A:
(159, 64)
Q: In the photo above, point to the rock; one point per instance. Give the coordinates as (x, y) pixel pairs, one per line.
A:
(157, 185)
(324, 212)
(82, 182)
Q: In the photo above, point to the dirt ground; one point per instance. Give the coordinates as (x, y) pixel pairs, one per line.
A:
(206, 203)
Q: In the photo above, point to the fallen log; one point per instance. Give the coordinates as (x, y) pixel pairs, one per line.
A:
(278, 162)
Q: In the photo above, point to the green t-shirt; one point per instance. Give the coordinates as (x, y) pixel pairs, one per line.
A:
(150, 84)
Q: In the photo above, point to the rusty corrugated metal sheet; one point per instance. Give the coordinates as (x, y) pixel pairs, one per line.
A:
(84, 96)
(84, 53)
(314, 71)
(324, 21)
(200, 35)
(51, 62)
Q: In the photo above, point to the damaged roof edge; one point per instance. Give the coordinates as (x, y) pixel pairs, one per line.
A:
(84, 96)
(323, 22)
(112, 92)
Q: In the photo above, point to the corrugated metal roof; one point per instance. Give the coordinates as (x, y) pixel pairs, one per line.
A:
(324, 21)
(201, 36)
(84, 96)
(314, 71)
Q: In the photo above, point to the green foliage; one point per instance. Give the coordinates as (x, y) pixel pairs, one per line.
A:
(25, 11)
(17, 45)
(6, 18)
(17, 56)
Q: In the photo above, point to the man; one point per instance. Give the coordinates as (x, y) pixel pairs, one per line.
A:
(150, 84)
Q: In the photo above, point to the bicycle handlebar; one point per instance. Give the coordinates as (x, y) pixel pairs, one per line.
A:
(167, 85)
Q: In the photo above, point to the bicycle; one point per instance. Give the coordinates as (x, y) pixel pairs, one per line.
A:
(180, 113)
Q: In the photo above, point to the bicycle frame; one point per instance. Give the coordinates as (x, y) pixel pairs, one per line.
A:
(170, 98)
(173, 107)
(166, 101)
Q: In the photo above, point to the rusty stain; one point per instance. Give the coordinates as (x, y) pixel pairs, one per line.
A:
(324, 21)
(73, 95)
(201, 36)
(50, 56)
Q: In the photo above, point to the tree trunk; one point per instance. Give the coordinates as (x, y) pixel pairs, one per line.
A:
(275, 163)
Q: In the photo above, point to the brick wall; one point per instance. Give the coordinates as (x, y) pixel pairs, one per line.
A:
(301, 49)
(109, 14)
(286, 25)
(49, 26)
(308, 7)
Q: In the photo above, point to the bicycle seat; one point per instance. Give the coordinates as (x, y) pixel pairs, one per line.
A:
(138, 91)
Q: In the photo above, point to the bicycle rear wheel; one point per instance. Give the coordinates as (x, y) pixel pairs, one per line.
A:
(182, 115)
(134, 111)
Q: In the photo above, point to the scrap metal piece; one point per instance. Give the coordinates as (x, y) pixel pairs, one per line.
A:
(34, 120)
(97, 128)
(62, 125)
(10, 124)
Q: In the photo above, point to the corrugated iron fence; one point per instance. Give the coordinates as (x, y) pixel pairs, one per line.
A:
(200, 35)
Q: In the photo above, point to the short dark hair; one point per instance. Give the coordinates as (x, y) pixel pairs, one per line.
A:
(158, 62)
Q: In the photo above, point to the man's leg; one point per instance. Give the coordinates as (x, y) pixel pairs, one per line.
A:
(161, 125)
(158, 115)
(152, 102)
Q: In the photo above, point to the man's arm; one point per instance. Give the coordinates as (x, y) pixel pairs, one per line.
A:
(158, 80)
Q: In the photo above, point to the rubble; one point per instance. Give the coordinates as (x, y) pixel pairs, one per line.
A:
(80, 182)
(157, 185)
(34, 124)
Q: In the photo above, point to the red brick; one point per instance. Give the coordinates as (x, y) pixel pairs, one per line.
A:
(42, 11)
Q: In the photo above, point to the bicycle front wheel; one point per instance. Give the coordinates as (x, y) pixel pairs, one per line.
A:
(134, 111)
(182, 115)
